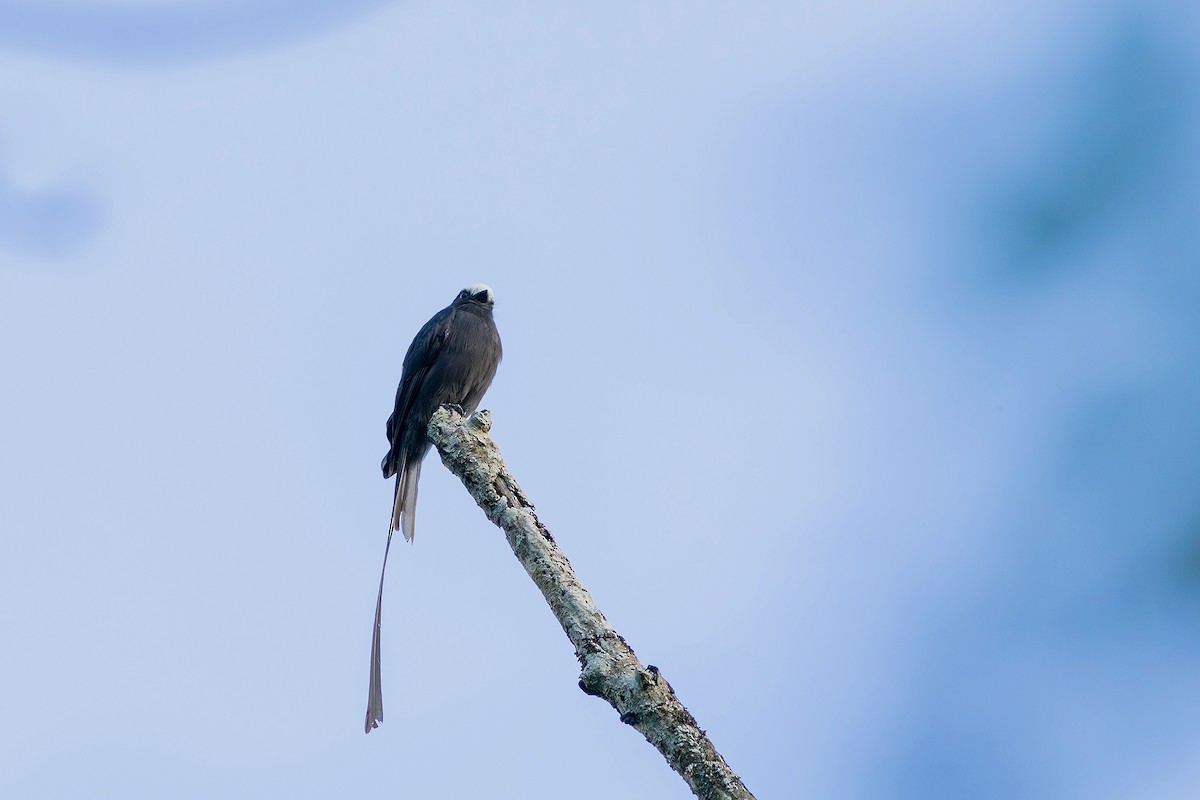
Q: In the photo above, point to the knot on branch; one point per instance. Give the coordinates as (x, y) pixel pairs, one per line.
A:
(594, 677)
(480, 421)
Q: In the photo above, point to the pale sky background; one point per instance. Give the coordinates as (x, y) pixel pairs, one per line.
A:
(851, 353)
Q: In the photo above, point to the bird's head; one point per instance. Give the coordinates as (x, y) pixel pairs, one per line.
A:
(477, 293)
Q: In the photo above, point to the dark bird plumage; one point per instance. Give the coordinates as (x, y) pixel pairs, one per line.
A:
(451, 361)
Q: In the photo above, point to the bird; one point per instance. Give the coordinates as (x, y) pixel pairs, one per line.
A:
(452, 362)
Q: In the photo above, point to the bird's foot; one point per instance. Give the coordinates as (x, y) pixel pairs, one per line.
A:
(455, 407)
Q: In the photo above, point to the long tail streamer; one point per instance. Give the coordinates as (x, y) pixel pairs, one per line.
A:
(375, 693)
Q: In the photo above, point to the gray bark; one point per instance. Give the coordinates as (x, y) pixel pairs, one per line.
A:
(610, 669)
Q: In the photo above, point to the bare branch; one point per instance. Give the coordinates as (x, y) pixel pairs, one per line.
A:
(610, 669)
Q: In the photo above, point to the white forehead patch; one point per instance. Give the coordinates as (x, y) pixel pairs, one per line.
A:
(476, 288)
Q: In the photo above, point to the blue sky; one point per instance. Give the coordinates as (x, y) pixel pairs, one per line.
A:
(849, 353)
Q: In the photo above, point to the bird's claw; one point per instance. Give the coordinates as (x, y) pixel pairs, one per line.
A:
(455, 407)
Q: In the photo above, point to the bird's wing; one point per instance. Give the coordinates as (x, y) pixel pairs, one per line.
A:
(420, 357)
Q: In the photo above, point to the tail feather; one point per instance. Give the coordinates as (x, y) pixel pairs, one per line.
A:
(404, 503)
(375, 691)
(397, 502)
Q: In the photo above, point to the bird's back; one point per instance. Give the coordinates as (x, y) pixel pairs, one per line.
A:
(452, 360)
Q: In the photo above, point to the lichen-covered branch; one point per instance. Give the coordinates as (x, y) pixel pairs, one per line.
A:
(610, 669)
